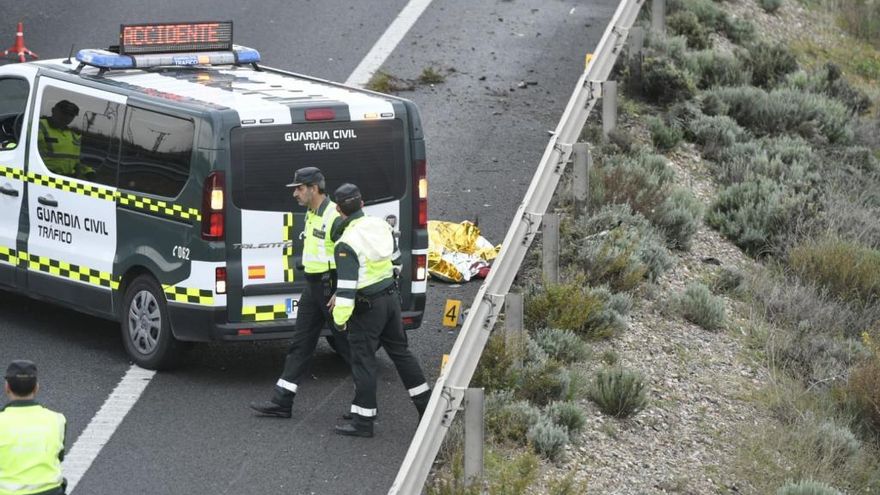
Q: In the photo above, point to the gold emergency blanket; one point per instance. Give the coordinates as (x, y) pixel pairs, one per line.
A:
(457, 252)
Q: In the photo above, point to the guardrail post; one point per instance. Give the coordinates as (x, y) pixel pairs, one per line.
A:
(580, 186)
(609, 107)
(473, 435)
(636, 41)
(658, 16)
(514, 324)
(550, 241)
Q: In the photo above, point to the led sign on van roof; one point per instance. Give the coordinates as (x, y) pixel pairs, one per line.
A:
(175, 37)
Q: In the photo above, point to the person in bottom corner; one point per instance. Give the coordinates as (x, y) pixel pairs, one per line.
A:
(31, 437)
(367, 307)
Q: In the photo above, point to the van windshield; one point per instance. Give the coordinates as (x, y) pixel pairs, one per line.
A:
(370, 154)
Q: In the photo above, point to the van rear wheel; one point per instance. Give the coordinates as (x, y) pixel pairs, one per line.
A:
(146, 329)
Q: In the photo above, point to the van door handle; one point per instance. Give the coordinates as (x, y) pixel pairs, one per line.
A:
(9, 191)
(47, 200)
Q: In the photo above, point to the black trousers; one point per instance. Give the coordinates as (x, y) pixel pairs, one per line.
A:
(313, 315)
(377, 322)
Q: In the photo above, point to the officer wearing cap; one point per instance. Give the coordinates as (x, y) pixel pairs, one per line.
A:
(59, 144)
(320, 272)
(29, 463)
(367, 306)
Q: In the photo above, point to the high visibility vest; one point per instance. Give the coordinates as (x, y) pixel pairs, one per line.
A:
(317, 255)
(31, 438)
(372, 240)
(60, 148)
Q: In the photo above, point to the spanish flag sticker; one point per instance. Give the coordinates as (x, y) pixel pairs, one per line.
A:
(256, 272)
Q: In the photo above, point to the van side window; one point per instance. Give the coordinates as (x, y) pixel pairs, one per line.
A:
(79, 136)
(156, 153)
(13, 99)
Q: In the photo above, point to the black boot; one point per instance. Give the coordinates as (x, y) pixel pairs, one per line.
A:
(278, 407)
(348, 416)
(421, 402)
(360, 426)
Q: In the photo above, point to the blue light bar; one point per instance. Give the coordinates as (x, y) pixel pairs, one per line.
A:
(104, 59)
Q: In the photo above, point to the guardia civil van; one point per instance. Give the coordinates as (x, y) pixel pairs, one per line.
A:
(145, 183)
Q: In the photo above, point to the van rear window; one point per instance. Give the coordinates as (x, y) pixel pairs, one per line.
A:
(370, 154)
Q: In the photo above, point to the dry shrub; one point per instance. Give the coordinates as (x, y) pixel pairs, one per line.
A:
(846, 269)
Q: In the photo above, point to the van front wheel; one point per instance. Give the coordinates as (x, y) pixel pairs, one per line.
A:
(146, 329)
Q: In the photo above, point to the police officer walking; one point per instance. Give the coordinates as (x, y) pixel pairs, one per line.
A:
(320, 271)
(367, 306)
(31, 437)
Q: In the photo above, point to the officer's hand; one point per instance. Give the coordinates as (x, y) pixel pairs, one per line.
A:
(332, 302)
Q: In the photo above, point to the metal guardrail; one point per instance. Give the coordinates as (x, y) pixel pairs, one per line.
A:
(449, 391)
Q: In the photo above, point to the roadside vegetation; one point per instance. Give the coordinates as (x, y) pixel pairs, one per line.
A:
(786, 128)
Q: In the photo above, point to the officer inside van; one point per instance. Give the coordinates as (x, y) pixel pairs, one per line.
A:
(58, 143)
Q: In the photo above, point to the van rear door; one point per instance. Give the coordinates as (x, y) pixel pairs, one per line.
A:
(368, 153)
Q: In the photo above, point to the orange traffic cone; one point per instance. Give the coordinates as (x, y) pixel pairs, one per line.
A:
(18, 47)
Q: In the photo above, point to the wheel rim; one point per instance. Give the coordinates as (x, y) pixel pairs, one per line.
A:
(144, 322)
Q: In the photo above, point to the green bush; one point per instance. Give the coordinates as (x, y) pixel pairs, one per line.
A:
(713, 68)
(570, 306)
(815, 357)
(728, 280)
(642, 183)
(739, 30)
(787, 111)
(829, 81)
(699, 306)
(682, 114)
(618, 392)
(687, 24)
(664, 82)
(836, 443)
(711, 104)
(769, 63)
(548, 439)
(508, 419)
(568, 415)
(754, 215)
(715, 134)
(863, 389)
(562, 345)
(672, 47)
(848, 270)
(707, 11)
(665, 138)
(542, 383)
(496, 369)
(770, 6)
(622, 257)
(786, 160)
(678, 217)
(807, 487)
(567, 486)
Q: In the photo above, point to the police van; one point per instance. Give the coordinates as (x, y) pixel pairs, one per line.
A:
(145, 183)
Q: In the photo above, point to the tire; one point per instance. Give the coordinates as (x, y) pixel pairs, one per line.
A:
(146, 328)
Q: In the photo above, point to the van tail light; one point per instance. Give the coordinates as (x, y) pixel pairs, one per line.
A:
(420, 267)
(313, 114)
(220, 280)
(213, 207)
(420, 187)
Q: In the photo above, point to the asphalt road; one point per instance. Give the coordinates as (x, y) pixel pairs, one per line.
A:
(191, 432)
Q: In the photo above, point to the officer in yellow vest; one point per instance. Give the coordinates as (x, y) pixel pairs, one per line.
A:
(320, 272)
(31, 438)
(59, 145)
(367, 306)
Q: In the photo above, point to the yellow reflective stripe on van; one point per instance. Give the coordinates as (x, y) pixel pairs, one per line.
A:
(125, 199)
(72, 186)
(58, 268)
(287, 254)
(158, 206)
(189, 295)
(264, 313)
(11, 173)
(70, 271)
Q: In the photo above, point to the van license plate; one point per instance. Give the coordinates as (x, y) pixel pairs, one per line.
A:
(292, 306)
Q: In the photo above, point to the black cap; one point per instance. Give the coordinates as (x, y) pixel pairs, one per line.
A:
(21, 368)
(308, 176)
(348, 197)
(67, 107)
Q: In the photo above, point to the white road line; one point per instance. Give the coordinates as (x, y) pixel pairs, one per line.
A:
(105, 422)
(387, 42)
(135, 381)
